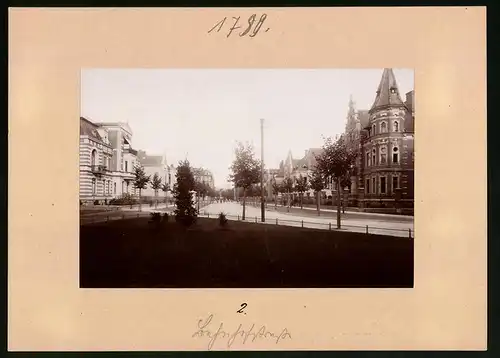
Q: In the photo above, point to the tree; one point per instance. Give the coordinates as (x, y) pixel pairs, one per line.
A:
(156, 184)
(336, 161)
(141, 180)
(276, 190)
(301, 185)
(185, 212)
(245, 170)
(317, 183)
(165, 189)
(288, 188)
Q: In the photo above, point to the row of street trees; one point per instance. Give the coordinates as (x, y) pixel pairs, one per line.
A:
(141, 181)
(336, 161)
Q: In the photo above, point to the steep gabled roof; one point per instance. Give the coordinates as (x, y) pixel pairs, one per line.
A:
(387, 92)
(89, 129)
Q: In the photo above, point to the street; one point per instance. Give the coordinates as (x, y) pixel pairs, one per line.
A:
(377, 224)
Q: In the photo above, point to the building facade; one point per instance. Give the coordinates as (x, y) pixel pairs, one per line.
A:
(155, 164)
(383, 137)
(204, 176)
(107, 161)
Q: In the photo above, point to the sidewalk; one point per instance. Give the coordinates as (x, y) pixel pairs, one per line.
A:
(272, 208)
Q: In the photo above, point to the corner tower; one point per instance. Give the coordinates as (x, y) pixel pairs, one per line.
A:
(388, 148)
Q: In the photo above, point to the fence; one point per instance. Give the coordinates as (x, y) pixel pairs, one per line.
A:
(367, 229)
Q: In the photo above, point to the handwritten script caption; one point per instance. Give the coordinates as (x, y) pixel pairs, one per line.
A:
(251, 334)
(251, 29)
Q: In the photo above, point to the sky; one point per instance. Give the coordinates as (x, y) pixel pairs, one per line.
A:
(200, 114)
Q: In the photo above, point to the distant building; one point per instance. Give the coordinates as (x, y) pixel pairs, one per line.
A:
(204, 176)
(155, 164)
(106, 160)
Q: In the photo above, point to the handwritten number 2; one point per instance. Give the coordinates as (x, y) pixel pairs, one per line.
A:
(243, 306)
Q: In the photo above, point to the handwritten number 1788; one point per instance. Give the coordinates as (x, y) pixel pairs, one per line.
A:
(249, 28)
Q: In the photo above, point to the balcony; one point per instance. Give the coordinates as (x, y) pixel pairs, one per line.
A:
(128, 149)
(99, 169)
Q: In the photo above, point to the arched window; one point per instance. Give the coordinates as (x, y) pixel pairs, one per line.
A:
(374, 154)
(396, 126)
(93, 158)
(395, 155)
(383, 127)
(373, 129)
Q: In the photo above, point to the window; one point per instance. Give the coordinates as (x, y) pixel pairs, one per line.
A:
(396, 126)
(367, 159)
(383, 155)
(114, 188)
(395, 155)
(373, 186)
(383, 127)
(373, 129)
(93, 186)
(93, 158)
(395, 183)
(393, 90)
(382, 185)
(126, 166)
(374, 157)
(367, 186)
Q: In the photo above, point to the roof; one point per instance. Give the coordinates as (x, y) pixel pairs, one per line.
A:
(149, 160)
(89, 129)
(388, 91)
(309, 159)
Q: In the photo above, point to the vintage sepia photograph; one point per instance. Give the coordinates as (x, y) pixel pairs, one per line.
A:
(246, 178)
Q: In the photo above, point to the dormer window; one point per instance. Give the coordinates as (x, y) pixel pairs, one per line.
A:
(396, 126)
(393, 90)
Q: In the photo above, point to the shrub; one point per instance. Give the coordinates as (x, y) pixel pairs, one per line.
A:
(81, 203)
(106, 201)
(165, 217)
(96, 202)
(222, 219)
(155, 217)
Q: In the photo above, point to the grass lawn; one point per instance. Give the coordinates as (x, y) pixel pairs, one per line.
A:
(136, 253)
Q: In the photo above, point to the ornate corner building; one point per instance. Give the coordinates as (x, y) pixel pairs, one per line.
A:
(383, 138)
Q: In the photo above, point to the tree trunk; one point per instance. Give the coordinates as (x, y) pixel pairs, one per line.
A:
(317, 202)
(156, 199)
(140, 203)
(244, 199)
(275, 201)
(338, 204)
(301, 200)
